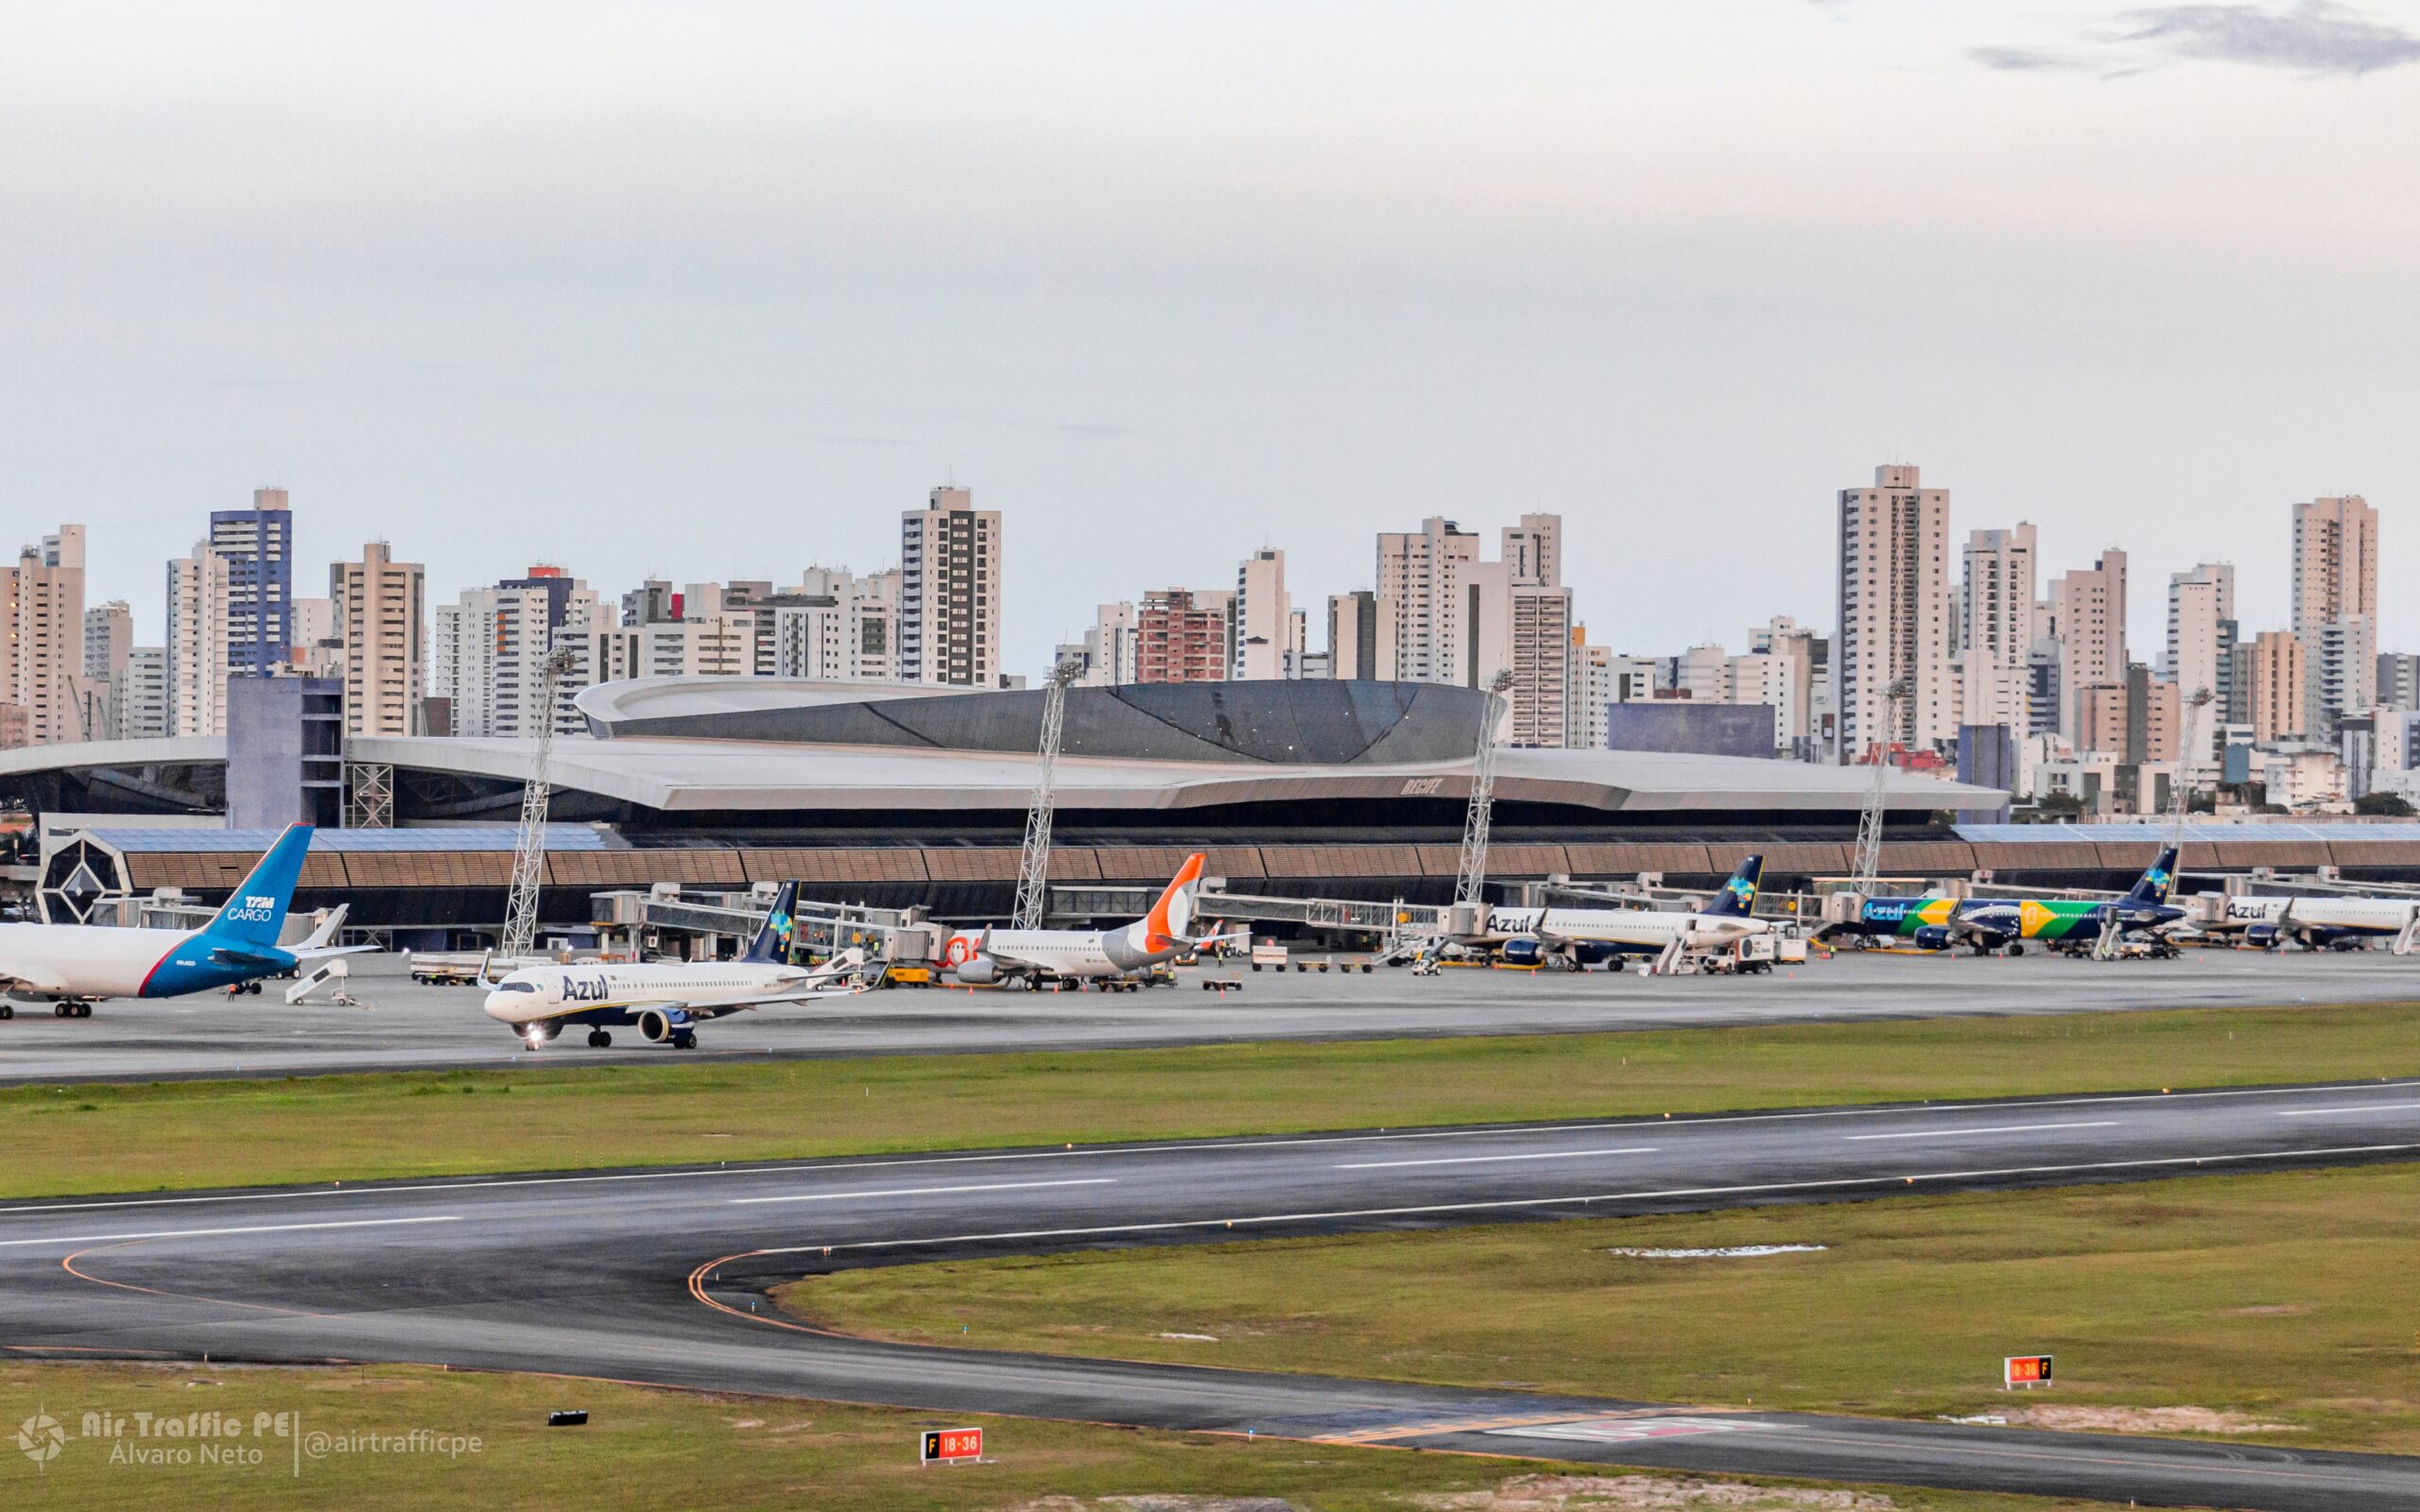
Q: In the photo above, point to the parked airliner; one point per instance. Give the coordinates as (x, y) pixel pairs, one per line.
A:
(2318, 923)
(668, 1000)
(1579, 935)
(1024, 957)
(75, 966)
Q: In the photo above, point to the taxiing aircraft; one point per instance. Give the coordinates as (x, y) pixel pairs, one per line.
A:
(1988, 924)
(668, 1000)
(1579, 936)
(1025, 958)
(75, 966)
(2320, 923)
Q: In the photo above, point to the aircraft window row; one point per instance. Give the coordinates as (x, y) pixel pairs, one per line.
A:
(517, 987)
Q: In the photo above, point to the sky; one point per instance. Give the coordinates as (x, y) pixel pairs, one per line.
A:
(711, 291)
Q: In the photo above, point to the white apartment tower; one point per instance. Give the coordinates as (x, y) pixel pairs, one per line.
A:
(1895, 604)
(1541, 622)
(109, 641)
(381, 611)
(1995, 626)
(1353, 636)
(1434, 604)
(2201, 621)
(1110, 647)
(1262, 626)
(488, 651)
(949, 592)
(195, 683)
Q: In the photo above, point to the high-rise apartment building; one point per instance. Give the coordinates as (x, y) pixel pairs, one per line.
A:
(109, 640)
(2398, 680)
(1179, 639)
(488, 651)
(2336, 563)
(381, 611)
(2343, 662)
(1111, 645)
(835, 627)
(1442, 613)
(196, 689)
(258, 545)
(1895, 614)
(2088, 617)
(1995, 626)
(1541, 666)
(949, 592)
(1353, 636)
(2200, 627)
(2275, 686)
(140, 699)
(1263, 632)
(1532, 550)
(42, 663)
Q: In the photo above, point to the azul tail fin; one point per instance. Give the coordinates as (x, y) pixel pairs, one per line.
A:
(1737, 899)
(255, 914)
(772, 942)
(2158, 882)
(1166, 924)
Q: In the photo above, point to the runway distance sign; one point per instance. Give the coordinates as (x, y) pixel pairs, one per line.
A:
(2025, 1370)
(951, 1445)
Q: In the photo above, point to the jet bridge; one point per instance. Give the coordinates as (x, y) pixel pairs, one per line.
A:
(899, 937)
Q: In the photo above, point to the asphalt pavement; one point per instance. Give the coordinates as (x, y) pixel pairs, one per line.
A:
(658, 1275)
(403, 1026)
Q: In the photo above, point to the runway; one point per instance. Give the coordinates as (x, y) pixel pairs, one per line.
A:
(653, 1275)
(403, 1026)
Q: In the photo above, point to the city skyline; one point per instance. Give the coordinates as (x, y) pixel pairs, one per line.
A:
(1133, 276)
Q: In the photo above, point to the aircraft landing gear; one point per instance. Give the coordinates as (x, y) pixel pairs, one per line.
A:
(684, 1040)
(600, 1040)
(71, 1010)
(8, 1010)
(2016, 947)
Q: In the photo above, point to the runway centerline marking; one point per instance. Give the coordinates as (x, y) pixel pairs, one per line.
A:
(211, 1233)
(1996, 1128)
(1584, 1200)
(1486, 1160)
(2352, 1108)
(928, 1192)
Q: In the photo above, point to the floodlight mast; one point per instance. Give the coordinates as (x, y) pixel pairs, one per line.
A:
(529, 841)
(1869, 824)
(1033, 864)
(1472, 886)
(2180, 796)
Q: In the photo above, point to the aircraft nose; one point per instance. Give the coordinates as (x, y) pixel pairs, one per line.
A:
(499, 1004)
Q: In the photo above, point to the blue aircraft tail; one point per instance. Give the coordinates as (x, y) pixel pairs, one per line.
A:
(2158, 882)
(1737, 899)
(772, 942)
(256, 912)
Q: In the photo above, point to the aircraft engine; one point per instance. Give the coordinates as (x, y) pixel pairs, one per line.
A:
(1523, 952)
(655, 1027)
(979, 971)
(1935, 937)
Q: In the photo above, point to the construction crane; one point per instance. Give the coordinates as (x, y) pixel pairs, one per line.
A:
(1471, 886)
(1033, 864)
(529, 842)
(1869, 824)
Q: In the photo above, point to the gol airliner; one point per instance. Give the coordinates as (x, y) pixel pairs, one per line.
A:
(1023, 957)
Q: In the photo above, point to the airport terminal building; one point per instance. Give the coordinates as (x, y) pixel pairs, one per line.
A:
(897, 796)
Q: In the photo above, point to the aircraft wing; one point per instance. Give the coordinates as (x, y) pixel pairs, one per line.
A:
(35, 978)
(233, 955)
(320, 952)
(844, 975)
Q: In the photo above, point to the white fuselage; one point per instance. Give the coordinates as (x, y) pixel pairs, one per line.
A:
(1073, 954)
(1640, 929)
(2362, 916)
(535, 993)
(88, 961)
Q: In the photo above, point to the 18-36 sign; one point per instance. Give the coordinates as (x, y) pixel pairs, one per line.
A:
(954, 1445)
(2025, 1370)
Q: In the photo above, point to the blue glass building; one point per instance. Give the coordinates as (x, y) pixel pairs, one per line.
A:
(258, 545)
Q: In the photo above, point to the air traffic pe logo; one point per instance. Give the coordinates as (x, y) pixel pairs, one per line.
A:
(42, 1438)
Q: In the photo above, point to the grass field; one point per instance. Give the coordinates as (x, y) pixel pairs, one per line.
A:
(2285, 1299)
(96, 1138)
(651, 1450)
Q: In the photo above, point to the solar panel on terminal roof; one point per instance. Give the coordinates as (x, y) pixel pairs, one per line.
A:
(464, 837)
(2121, 833)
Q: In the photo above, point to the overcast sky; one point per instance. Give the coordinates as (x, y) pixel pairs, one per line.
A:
(712, 291)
